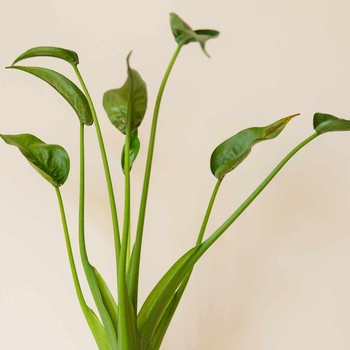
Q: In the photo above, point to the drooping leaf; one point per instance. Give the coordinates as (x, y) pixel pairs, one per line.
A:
(134, 150)
(326, 123)
(97, 330)
(50, 161)
(49, 51)
(184, 34)
(108, 300)
(65, 87)
(127, 104)
(229, 154)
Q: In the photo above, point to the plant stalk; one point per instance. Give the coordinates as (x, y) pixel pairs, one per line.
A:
(88, 269)
(133, 279)
(112, 202)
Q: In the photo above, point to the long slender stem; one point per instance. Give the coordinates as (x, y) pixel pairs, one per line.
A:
(208, 212)
(136, 254)
(122, 290)
(77, 286)
(88, 269)
(105, 166)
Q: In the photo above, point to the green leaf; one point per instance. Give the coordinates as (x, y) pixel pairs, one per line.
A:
(107, 298)
(134, 150)
(164, 323)
(49, 51)
(50, 161)
(129, 101)
(97, 330)
(326, 123)
(157, 301)
(229, 154)
(72, 94)
(184, 34)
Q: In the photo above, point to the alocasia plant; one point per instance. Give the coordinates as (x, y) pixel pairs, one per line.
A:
(125, 325)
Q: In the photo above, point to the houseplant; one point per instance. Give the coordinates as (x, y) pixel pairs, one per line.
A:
(124, 104)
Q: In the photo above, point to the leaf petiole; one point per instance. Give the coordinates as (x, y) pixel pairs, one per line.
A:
(105, 166)
(133, 276)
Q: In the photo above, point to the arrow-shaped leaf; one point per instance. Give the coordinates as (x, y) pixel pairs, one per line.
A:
(66, 88)
(184, 34)
(50, 161)
(49, 51)
(131, 99)
(326, 123)
(229, 154)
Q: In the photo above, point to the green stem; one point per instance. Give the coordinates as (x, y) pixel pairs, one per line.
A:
(208, 212)
(136, 254)
(122, 290)
(77, 286)
(88, 269)
(105, 166)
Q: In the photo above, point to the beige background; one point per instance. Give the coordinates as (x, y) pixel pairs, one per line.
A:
(279, 278)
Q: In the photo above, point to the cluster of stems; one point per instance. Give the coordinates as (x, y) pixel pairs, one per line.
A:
(128, 264)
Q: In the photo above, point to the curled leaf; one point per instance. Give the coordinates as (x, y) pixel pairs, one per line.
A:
(133, 151)
(127, 104)
(326, 123)
(49, 51)
(50, 161)
(184, 34)
(66, 88)
(229, 154)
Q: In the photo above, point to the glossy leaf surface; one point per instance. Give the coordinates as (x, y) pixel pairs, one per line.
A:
(134, 150)
(108, 300)
(50, 161)
(66, 88)
(184, 34)
(49, 51)
(229, 154)
(127, 104)
(327, 123)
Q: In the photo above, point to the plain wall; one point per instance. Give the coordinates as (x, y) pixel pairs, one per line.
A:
(279, 277)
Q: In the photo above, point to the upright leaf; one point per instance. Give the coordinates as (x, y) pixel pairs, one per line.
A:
(66, 88)
(157, 301)
(131, 97)
(108, 299)
(49, 51)
(97, 330)
(184, 34)
(229, 154)
(326, 123)
(134, 150)
(50, 161)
